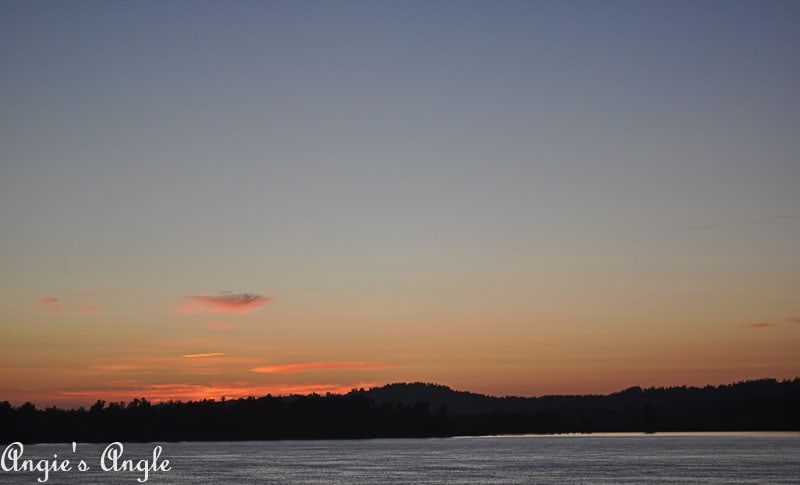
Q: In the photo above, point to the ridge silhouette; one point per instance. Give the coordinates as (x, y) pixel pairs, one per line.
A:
(413, 410)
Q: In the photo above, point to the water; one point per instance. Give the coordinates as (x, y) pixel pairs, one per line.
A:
(614, 458)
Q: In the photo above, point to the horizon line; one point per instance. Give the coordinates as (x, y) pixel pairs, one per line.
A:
(411, 383)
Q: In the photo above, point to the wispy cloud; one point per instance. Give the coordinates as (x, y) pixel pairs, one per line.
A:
(203, 356)
(311, 366)
(50, 303)
(167, 362)
(235, 303)
(54, 305)
(793, 320)
(760, 325)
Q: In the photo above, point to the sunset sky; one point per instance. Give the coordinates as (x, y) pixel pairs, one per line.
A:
(207, 199)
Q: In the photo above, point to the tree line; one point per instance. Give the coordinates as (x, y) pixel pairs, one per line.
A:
(413, 410)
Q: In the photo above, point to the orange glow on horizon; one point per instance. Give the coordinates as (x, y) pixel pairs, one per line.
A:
(158, 393)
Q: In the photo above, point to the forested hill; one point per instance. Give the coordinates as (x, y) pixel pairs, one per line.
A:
(765, 404)
(414, 410)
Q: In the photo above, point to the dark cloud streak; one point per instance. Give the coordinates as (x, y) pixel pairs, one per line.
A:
(225, 303)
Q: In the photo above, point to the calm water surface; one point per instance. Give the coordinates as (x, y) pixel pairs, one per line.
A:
(621, 458)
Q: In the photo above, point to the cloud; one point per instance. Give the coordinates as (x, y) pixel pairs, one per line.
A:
(236, 303)
(54, 305)
(220, 326)
(310, 366)
(203, 356)
(50, 303)
(760, 325)
(793, 320)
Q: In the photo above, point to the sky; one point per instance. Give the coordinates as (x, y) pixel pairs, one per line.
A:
(208, 199)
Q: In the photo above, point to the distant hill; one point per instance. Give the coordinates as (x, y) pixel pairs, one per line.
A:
(765, 404)
(414, 410)
(436, 395)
